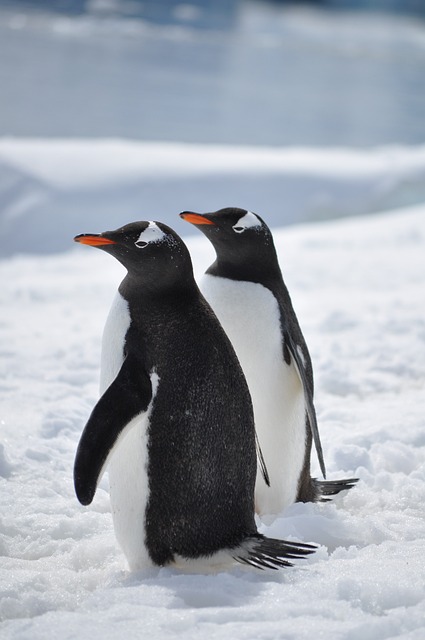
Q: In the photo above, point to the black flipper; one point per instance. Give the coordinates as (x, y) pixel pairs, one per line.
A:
(327, 488)
(269, 553)
(311, 412)
(262, 462)
(128, 396)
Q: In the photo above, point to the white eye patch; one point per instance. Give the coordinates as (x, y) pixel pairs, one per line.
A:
(247, 221)
(151, 234)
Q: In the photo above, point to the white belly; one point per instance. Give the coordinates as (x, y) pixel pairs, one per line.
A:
(249, 314)
(128, 480)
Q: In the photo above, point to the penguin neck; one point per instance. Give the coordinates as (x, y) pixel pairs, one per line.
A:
(262, 267)
(135, 286)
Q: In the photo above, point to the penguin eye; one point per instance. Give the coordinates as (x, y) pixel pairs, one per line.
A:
(140, 244)
(238, 229)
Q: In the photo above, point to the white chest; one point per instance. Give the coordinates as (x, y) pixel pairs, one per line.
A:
(116, 327)
(250, 315)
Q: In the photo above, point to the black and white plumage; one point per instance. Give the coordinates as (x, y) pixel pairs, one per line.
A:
(174, 424)
(245, 288)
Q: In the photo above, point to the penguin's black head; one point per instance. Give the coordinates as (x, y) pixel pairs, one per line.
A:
(230, 227)
(148, 250)
(238, 236)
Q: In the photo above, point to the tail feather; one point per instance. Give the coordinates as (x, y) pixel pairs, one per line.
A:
(269, 553)
(327, 488)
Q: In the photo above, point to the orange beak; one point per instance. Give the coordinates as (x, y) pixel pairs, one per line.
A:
(195, 218)
(93, 240)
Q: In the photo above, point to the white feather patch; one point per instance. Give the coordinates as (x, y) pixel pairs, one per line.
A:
(247, 221)
(116, 327)
(151, 234)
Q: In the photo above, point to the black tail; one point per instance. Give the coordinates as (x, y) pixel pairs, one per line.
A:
(270, 553)
(326, 488)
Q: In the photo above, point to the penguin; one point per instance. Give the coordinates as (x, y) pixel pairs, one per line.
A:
(245, 288)
(174, 424)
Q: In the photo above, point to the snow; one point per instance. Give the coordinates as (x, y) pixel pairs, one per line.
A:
(50, 190)
(357, 285)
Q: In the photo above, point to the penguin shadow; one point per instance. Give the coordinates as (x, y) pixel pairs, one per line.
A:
(231, 588)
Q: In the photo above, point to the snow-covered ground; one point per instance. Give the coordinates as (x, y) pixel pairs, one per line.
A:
(358, 288)
(50, 190)
(273, 76)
